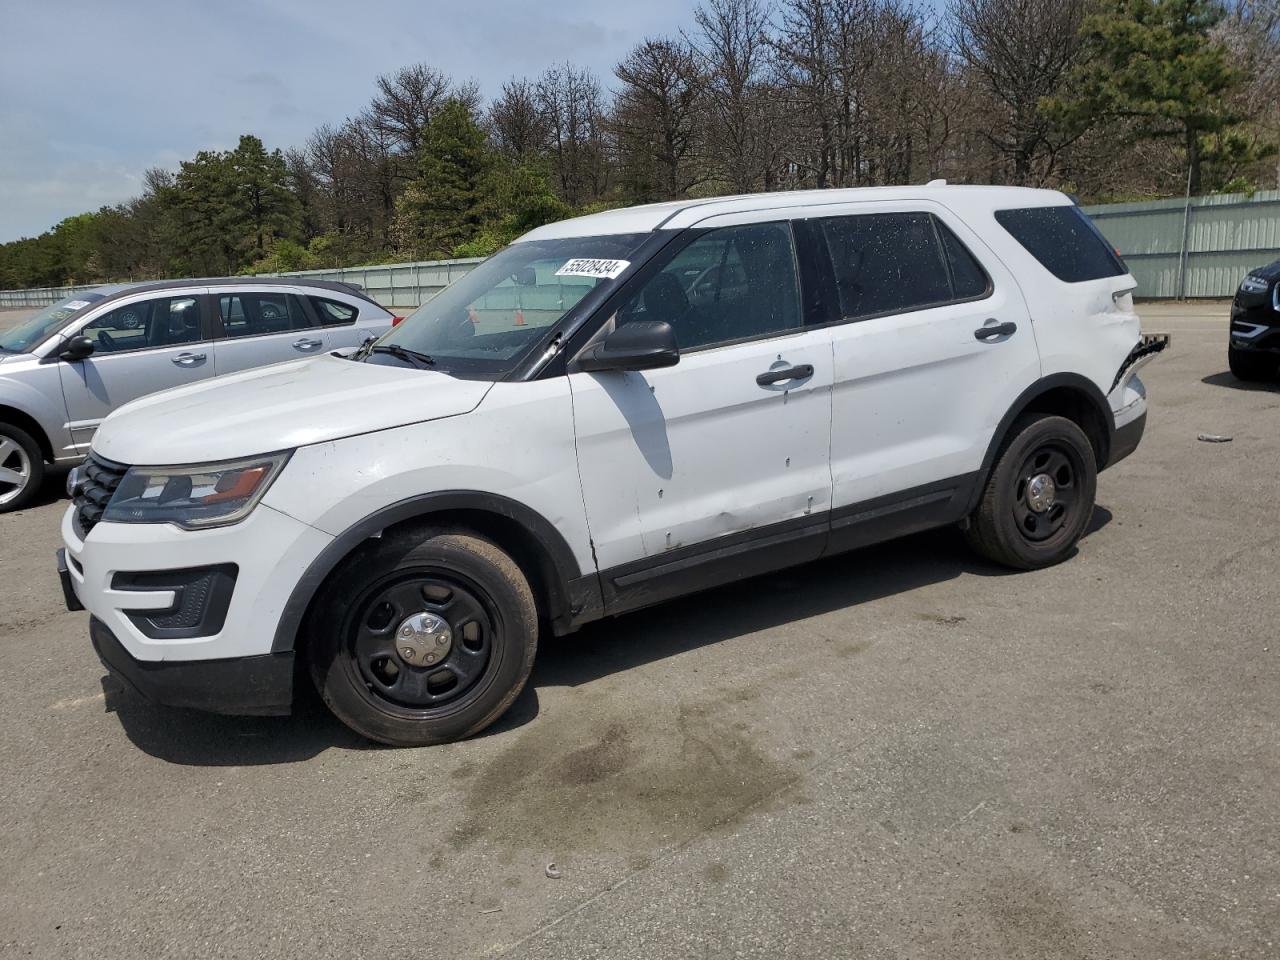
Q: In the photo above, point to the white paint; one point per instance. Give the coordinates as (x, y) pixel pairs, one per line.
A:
(630, 464)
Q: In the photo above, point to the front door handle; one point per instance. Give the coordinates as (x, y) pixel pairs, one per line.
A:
(801, 372)
(305, 344)
(189, 359)
(990, 330)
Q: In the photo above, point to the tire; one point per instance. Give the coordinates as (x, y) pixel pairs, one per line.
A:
(21, 468)
(355, 640)
(1246, 365)
(1023, 522)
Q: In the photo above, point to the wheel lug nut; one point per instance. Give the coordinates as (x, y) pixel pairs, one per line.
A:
(440, 641)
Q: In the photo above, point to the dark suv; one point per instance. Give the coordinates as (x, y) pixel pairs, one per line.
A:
(1254, 348)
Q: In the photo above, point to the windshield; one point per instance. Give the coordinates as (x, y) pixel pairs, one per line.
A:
(31, 333)
(487, 321)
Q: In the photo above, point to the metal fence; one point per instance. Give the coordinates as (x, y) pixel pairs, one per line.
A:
(38, 296)
(1174, 248)
(395, 284)
(1197, 249)
(392, 284)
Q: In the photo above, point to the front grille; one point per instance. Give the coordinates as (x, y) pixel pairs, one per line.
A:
(101, 478)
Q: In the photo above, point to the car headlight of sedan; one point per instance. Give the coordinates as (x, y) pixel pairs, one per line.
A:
(194, 497)
(1252, 284)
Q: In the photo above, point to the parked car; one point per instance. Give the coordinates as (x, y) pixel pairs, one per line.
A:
(566, 434)
(1253, 350)
(67, 367)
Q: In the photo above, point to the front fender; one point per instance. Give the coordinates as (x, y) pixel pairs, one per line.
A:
(35, 389)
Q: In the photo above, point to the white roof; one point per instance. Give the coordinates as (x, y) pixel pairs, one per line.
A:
(678, 214)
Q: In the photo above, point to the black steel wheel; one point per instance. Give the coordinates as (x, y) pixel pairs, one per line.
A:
(1039, 496)
(422, 640)
(1046, 491)
(422, 636)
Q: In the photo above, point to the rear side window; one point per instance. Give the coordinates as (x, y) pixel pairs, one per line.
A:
(257, 314)
(1064, 240)
(332, 313)
(888, 263)
(968, 280)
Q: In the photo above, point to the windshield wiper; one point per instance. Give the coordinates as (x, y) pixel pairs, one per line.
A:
(419, 360)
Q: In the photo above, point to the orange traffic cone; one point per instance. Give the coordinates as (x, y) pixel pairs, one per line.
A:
(473, 316)
(519, 317)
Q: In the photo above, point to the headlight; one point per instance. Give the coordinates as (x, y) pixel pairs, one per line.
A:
(1254, 285)
(206, 495)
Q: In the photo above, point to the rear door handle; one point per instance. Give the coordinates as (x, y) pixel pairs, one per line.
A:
(801, 372)
(189, 359)
(990, 330)
(305, 344)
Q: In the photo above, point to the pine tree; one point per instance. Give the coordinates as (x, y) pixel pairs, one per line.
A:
(447, 203)
(1156, 64)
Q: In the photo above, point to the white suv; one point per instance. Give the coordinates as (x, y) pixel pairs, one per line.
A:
(613, 411)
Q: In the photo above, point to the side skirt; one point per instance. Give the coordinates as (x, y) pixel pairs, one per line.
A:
(899, 514)
(738, 556)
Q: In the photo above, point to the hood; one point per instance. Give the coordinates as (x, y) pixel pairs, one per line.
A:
(278, 408)
(1270, 272)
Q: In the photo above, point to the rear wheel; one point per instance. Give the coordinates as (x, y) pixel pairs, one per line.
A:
(1246, 365)
(423, 636)
(1039, 496)
(21, 468)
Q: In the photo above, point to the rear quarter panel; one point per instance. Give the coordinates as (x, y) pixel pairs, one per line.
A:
(1086, 328)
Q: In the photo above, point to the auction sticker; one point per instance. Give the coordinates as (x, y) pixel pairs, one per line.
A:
(587, 267)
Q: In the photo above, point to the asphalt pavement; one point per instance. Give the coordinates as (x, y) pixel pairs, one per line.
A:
(900, 752)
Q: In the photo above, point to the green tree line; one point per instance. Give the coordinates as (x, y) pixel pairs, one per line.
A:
(1108, 99)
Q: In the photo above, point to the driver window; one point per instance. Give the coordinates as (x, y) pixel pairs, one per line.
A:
(164, 322)
(734, 283)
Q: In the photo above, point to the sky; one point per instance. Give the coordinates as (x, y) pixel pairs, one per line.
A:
(94, 93)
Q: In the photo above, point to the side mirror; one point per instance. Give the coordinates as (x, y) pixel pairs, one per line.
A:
(639, 345)
(77, 348)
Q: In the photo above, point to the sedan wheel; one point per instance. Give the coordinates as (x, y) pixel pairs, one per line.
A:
(21, 468)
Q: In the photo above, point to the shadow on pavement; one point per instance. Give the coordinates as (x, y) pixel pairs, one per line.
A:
(715, 616)
(603, 648)
(1231, 382)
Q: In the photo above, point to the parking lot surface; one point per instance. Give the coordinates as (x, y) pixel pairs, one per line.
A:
(900, 752)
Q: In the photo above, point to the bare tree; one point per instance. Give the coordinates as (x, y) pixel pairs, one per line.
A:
(405, 101)
(823, 53)
(516, 122)
(571, 105)
(655, 115)
(1021, 52)
(732, 47)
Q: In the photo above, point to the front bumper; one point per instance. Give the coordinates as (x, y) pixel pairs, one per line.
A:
(252, 686)
(1255, 326)
(171, 595)
(1126, 439)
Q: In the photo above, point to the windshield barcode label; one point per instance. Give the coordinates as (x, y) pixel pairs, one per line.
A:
(586, 267)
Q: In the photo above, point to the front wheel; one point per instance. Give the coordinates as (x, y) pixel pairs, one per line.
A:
(1246, 365)
(21, 468)
(1039, 496)
(423, 636)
